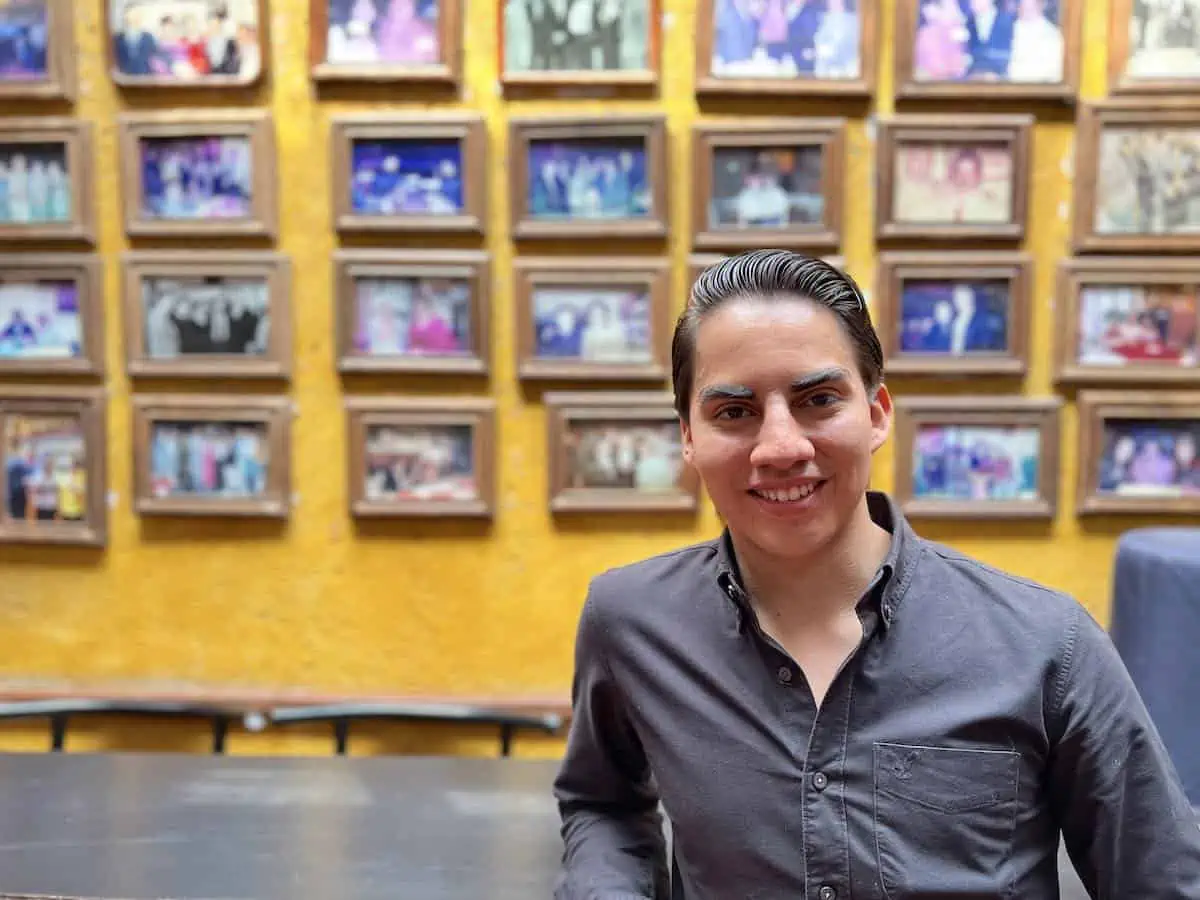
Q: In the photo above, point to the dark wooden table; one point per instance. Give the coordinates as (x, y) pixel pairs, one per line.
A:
(188, 827)
(142, 826)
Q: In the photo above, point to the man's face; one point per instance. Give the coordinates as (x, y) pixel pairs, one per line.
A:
(781, 427)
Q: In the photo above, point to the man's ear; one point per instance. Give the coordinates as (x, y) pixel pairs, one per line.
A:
(685, 433)
(881, 416)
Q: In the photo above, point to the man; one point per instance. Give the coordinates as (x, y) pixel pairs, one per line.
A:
(827, 705)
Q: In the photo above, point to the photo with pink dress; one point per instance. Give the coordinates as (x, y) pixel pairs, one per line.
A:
(412, 317)
(383, 32)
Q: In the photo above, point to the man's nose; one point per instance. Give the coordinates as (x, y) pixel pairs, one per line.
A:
(782, 442)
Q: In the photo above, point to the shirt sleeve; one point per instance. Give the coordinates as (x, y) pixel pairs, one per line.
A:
(1128, 826)
(614, 848)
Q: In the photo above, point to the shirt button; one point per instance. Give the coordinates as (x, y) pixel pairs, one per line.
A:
(785, 675)
(827, 893)
(820, 781)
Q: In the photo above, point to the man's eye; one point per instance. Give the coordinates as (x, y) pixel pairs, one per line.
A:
(825, 398)
(731, 412)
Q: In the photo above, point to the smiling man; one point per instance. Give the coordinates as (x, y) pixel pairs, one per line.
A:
(825, 704)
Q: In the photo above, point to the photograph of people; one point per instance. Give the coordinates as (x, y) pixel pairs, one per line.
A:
(947, 184)
(40, 320)
(1148, 181)
(385, 32)
(956, 318)
(418, 463)
(34, 185)
(626, 456)
(44, 469)
(766, 187)
(1016, 41)
(210, 460)
(605, 325)
(1164, 40)
(24, 41)
(786, 39)
(976, 463)
(186, 40)
(205, 316)
(1121, 326)
(1151, 459)
(588, 179)
(576, 35)
(406, 177)
(196, 177)
(412, 317)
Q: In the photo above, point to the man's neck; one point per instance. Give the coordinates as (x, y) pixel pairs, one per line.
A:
(827, 581)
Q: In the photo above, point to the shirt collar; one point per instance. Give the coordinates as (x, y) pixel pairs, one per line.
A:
(890, 581)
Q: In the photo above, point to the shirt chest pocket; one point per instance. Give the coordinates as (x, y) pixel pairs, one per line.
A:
(944, 820)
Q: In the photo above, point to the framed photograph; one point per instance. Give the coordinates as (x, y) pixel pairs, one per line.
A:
(199, 175)
(799, 49)
(386, 41)
(578, 44)
(1137, 452)
(953, 177)
(207, 314)
(51, 315)
(588, 178)
(592, 319)
(768, 183)
(186, 43)
(46, 180)
(617, 451)
(415, 172)
(1153, 47)
(37, 50)
(412, 311)
(1012, 49)
(197, 455)
(954, 313)
(427, 456)
(982, 457)
(55, 467)
(698, 262)
(1127, 320)
(1136, 189)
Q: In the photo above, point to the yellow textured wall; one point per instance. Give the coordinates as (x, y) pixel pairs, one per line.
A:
(435, 607)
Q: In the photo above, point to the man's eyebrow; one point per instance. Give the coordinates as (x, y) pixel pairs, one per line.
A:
(725, 392)
(819, 378)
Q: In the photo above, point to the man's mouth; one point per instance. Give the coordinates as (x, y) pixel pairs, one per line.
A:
(787, 495)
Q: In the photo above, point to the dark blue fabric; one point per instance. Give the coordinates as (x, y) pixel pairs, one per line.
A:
(1156, 628)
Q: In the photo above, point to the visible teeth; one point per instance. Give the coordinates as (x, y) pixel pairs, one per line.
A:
(791, 494)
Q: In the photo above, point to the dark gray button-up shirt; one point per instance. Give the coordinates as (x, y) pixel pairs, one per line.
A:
(981, 715)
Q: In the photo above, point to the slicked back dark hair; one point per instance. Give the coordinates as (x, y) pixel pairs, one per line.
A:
(773, 275)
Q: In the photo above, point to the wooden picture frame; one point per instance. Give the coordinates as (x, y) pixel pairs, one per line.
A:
(837, 84)
(467, 266)
(895, 270)
(566, 409)
(650, 276)
(1076, 275)
(273, 414)
(993, 85)
(75, 138)
(650, 130)
(1131, 114)
(646, 76)
(1120, 83)
(117, 62)
(1040, 413)
(427, 413)
(446, 71)
(84, 273)
(61, 80)
(1096, 468)
(272, 269)
(256, 127)
(84, 521)
(828, 135)
(467, 129)
(1012, 132)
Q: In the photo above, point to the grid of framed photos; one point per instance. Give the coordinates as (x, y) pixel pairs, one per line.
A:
(205, 304)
